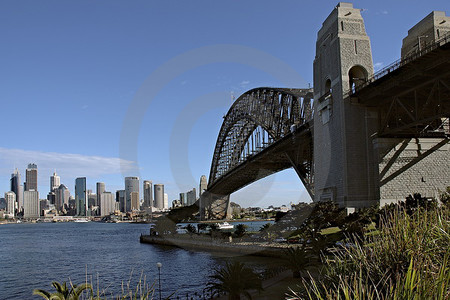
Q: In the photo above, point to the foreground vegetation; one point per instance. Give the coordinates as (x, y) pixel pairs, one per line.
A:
(407, 257)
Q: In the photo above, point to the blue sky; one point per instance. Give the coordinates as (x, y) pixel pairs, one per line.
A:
(107, 89)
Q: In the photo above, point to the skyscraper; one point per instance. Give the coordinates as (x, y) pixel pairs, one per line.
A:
(10, 198)
(107, 204)
(135, 201)
(120, 197)
(31, 178)
(159, 195)
(148, 195)
(166, 201)
(100, 190)
(131, 185)
(81, 196)
(191, 197)
(31, 204)
(203, 185)
(62, 198)
(17, 188)
(55, 182)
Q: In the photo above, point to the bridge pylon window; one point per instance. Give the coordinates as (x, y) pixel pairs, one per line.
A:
(357, 75)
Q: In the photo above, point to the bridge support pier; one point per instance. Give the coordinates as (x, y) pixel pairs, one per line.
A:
(213, 206)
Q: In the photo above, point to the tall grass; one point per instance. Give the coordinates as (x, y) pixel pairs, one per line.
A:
(407, 259)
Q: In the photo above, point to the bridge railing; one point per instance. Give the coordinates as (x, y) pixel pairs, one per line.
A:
(399, 63)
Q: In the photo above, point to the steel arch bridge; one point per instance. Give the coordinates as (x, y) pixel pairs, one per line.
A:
(265, 131)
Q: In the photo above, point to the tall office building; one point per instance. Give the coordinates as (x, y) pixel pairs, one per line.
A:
(183, 199)
(55, 182)
(100, 190)
(17, 188)
(62, 196)
(203, 185)
(81, 196)
(10, 198)
(191, 197)
(135, 201)
(159, 195)
(131, 185)
(120, 197)
(31, 204)
(31, 178)
(148, 195)
(107, 204)
(166, 201)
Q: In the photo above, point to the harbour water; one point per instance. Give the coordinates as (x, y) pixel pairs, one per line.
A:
(34, 255)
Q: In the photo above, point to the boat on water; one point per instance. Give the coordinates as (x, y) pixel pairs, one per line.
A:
(225, 226)
(82, 220)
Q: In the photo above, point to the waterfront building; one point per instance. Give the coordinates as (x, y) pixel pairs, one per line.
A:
(120, 198)
(100, 190)
(159, 195)
(17, 188)
(55, 182)
(81, 196)
(107, 204)
(203, 185)
(148, 195)
(166, 201)
(62, 195)
(31, 204)
(31, 178)
(10, 198)
(191, 197)
(135, 201)
(131, 185)
(44, 205)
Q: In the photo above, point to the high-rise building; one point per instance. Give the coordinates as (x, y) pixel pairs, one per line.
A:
(203, 185)
(92, 199)
(135, 201)
(55, 182)
(159, 195)
(31, 178)
(131, 185)
(31, 204)
(191, 197)
(183, 199)
(148, 195)
(107, 204)
(166, 201)
(62, 195)
(17, 188)
(10, 198)
(81, 196)
(100, 190)
(120, 198)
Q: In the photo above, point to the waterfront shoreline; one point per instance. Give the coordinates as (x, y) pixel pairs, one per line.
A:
(218, 246)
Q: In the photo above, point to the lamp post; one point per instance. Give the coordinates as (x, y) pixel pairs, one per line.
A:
(159, 265)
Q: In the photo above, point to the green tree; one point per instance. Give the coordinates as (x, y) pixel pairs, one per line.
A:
(240, 230)
(191, 229)
(235, 279)
(297, 259)
(63, 292)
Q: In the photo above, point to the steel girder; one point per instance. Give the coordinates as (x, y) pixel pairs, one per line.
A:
(258, 119)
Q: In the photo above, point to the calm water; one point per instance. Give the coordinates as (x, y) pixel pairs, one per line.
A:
(34, 255)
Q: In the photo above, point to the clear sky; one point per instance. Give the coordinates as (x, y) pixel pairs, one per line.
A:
(107, 89)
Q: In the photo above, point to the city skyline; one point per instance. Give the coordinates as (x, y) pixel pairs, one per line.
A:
(75, 68)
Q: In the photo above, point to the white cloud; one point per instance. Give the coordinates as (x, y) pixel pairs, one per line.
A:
(244, 83)
(377, 66)
(71, 165)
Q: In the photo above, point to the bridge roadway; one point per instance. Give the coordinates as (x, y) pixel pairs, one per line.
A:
(411, 96)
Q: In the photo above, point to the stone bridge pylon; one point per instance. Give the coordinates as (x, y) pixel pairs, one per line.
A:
(368, 139)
